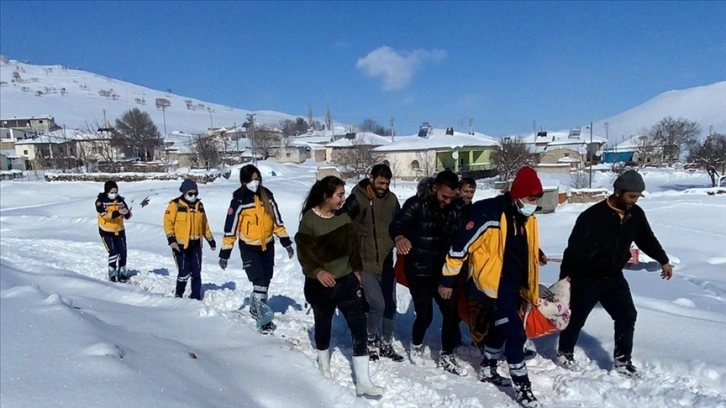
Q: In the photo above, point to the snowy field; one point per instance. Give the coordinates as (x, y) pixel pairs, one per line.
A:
(70, 338)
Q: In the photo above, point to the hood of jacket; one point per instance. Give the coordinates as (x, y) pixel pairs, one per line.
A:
(424, 189)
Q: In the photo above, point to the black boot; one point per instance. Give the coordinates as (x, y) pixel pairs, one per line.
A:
(388, 351)
(523, 395)
(180, 288)
(373, 348)
(488, 373)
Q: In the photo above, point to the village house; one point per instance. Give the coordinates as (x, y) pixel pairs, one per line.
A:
(433, 150)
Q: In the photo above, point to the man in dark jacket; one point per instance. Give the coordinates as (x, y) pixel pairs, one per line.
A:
(597, 251)
(372, 206)
(422, 231)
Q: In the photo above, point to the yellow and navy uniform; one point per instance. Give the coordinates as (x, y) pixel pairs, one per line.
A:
(481, 242)
(110, 220)
(248, 221)
(185, 222)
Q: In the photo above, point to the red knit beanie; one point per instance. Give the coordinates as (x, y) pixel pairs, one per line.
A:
(526, 184)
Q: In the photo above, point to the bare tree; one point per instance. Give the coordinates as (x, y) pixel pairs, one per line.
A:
(370, 125)
(395, 165)
(95, 145)
(266, 141)
(512, 155)
(646, 147)
(578, 179)
(711, 155)
(295, 127)
(206, 149)
(359, 158)
(424, 163)
(674, 136)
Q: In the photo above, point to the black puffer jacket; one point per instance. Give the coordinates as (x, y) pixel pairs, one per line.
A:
(599, 245)
(429, 228)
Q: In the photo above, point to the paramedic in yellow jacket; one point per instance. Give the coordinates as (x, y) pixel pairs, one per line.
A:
(185, 225)
(501, 244)
(112, 211)
(253, 217)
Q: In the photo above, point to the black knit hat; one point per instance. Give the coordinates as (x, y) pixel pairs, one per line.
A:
(187, 185)
(109, 185)
(631, 180)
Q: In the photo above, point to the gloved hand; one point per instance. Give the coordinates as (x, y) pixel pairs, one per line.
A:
(213, 245)
(123, 211)
(290, 252)
(174, 246)
(223, 263)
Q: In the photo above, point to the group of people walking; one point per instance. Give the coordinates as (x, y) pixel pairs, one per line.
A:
(486, 252)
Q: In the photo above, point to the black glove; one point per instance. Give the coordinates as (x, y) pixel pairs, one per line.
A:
(222, 263)
(213, 244)
(290, 252)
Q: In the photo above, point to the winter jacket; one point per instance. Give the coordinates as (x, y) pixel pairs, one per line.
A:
(482, 242)
(429, 228)
(248, 221)
(329, 244)
(371, 216)
(109, 217)
(185, 221)
(599, 245)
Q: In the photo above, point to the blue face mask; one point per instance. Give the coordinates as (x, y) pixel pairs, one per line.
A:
(525, 208)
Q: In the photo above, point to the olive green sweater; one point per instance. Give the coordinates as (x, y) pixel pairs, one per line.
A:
(329, 244)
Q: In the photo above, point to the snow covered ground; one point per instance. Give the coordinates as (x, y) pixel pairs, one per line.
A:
(70, 338)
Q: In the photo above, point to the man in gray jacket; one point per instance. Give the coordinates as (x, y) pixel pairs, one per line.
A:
(372, 206)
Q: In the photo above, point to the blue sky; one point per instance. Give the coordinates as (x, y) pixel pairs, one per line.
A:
(503, 64)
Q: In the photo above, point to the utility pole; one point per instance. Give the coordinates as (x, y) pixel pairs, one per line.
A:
(211, 124)
(236, 136)
(251, 121)
(471, 125)
(393, 129)
(590, 154)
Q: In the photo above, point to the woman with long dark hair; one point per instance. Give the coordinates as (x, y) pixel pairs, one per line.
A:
(328, 251)
(254, 217)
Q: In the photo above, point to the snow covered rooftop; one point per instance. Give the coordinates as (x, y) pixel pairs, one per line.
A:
(438, 139)
(362, 139)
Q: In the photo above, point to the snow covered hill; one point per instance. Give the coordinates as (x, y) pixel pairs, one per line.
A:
(77, 98)
(703, 104)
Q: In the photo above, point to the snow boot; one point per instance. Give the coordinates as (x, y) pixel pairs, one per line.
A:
(373, 348)
(324, 362)
(268, 328)
(260, 310)
(388, 351)
(488, 374)
(449, 364)
(567, 361)
(112, 274)
(523, 395)
(363, 385)
(626, 368)
(122, 274)
(417, 354)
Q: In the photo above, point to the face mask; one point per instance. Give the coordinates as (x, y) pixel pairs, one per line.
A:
(191, 198)
(253, 185)
(112, 196)
(526, 209)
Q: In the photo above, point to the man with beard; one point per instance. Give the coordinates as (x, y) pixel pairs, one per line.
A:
(372, 206)
(422, 231)
(597, 251)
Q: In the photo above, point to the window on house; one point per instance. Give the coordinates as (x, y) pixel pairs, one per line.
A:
(287, 154)
(25, 152)
(387, 163)
(415, 165)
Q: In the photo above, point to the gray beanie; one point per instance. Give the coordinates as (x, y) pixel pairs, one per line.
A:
(631, 180)
(187, 185)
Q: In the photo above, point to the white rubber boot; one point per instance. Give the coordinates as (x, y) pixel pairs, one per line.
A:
(363, 385)
(324, 362)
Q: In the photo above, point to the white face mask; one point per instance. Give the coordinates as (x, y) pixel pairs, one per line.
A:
(112, 196)
(253, 185)
(190, 198)
(526, 209)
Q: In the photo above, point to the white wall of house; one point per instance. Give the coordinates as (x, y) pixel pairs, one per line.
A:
(26, 149)
(409, 164)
